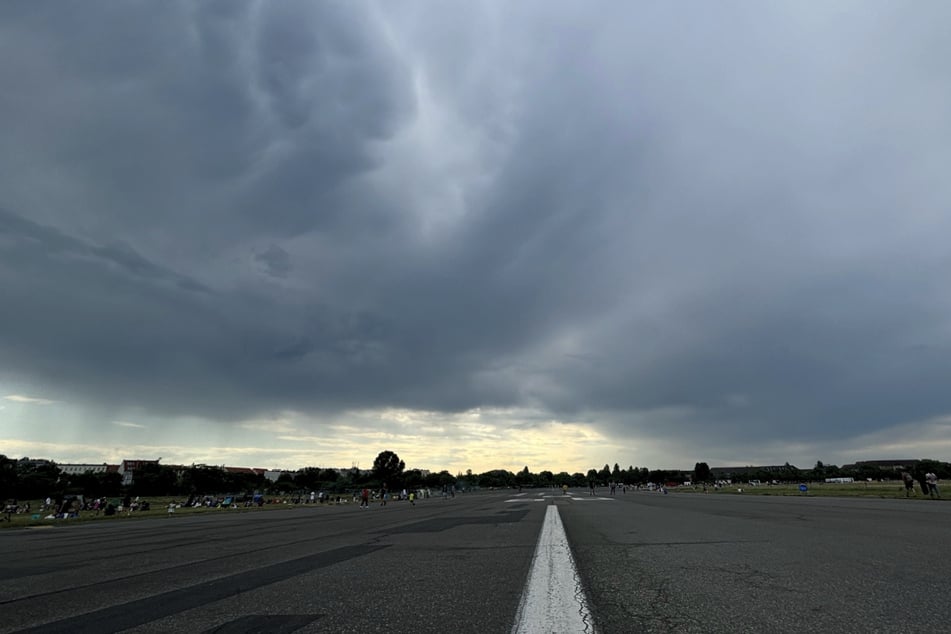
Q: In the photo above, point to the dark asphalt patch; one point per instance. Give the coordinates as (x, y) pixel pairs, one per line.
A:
(133, 613)
(28, 570)
(264, 624)
(439, 524)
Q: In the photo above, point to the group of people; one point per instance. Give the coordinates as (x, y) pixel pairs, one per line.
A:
(383, 496)
(614, 486)
(928, 482)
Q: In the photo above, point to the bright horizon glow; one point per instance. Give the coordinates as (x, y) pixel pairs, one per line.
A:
(481, 440)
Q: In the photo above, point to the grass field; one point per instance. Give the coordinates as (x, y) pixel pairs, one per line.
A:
(159, 505)
(893, 489)
(158, 508)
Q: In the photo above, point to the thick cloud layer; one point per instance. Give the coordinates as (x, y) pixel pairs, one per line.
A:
(665, 220)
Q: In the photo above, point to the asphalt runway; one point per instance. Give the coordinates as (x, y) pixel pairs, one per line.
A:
(646, 562)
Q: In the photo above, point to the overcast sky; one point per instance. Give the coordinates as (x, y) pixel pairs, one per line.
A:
(480, 234)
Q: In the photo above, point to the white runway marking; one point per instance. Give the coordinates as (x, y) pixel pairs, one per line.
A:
(553, 600)
(560, 496)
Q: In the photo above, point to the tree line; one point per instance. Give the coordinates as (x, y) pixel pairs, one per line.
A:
(821, 472)
(26, 480)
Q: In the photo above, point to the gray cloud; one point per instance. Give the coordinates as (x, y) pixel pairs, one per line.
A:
(276, 261)
(735, 213)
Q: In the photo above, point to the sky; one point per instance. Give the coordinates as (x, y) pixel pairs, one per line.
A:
(483, 235)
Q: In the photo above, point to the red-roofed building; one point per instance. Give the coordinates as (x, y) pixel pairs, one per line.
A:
(246, 470)
(128, 467)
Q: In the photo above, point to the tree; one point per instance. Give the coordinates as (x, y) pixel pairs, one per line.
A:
(203, 480)
(632, 475)
(284, 483)
(8, 478)
(329, 475)
(497, 478)
(933, 466)
(244, 482)
(85, 483)
(356, 476)
(154, 479)
(413, 479)
(110, 483)
(387, 468)
(701, 472)
(869, 472)
(308, 478)
(38, 480)
(524, 477)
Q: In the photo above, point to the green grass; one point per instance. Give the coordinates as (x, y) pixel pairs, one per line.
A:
(158, 508)
(159, 505)
(887, 490)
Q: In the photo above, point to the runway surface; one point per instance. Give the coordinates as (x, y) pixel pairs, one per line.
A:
(645, 562)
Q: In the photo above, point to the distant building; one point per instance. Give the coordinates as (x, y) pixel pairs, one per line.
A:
(33, 463)
(345, 472)
(731, 473)
(79, 469)
(273, 474)
(246, 471)
(884, 465)
(127, 469)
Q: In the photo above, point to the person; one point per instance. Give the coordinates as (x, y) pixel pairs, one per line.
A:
(365, 498)
(932, 481)
(591, 487)
(564, 489)
(384, 496)
(909, 483)
(412, 498)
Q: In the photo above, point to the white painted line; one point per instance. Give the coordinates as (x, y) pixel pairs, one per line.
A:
(553, 600)
(562, 497)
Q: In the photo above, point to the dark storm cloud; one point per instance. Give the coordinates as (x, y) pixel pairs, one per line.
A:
(735, 213)
(33, 238)
(276, 261)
